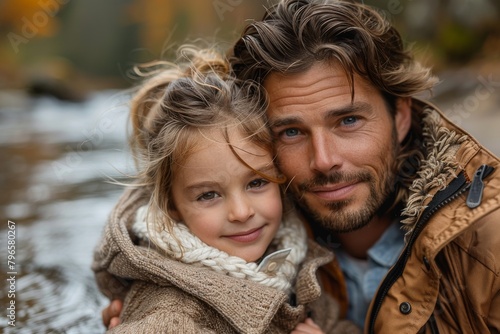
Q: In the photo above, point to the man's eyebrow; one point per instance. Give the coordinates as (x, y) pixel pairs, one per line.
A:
(356, 107)
(284, 122)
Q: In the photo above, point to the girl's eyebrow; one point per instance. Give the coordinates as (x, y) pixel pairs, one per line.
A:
(199, 185)
(355, 107)
(265, 168)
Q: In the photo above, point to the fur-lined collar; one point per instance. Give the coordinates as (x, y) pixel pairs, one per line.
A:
(437, 169)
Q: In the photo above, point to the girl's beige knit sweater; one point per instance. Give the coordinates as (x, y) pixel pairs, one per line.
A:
(162, 295)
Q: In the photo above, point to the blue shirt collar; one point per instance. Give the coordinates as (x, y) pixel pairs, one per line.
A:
(386, 250)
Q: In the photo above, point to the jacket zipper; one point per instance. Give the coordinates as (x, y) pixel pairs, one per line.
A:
(477, 186)
(456, 187)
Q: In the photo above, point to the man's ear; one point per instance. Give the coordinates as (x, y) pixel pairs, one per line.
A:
(402, 119)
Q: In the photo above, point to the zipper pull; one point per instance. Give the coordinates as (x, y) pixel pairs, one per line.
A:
(477, 186)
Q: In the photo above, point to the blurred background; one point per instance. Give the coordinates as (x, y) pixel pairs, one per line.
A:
(65, 66)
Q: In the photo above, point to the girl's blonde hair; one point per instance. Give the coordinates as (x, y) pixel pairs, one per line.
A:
(173, 104)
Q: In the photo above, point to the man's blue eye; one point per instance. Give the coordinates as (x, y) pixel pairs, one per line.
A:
(291, 132)
(350, 120)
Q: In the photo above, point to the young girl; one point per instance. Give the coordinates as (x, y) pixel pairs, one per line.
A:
(202, 242)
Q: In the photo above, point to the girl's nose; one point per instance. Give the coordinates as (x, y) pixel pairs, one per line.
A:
(240, 209)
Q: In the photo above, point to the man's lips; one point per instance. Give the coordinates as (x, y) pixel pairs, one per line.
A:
(246, 236)
(333, 192)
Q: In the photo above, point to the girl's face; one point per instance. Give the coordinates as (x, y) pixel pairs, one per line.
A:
(223, 202)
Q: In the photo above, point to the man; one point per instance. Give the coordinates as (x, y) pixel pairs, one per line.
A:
(408, 202)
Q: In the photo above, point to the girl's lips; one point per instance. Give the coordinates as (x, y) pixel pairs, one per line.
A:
(248, 236)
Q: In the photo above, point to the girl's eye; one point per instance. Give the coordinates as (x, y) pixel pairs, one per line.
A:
(207, 196)
(349, 120)
(258, 183)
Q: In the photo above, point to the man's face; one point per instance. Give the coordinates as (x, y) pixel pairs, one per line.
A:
(337, 153)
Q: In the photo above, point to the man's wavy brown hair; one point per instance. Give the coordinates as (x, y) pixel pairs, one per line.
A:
(295, 34)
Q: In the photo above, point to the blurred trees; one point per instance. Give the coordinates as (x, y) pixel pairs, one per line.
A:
(450, 31)
(74, 39)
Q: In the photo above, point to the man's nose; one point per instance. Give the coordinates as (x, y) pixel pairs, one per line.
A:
(324, 155)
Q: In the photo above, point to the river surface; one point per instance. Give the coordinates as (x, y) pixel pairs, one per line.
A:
(56, 161)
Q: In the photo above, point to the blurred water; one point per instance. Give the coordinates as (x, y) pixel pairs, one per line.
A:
(55, 160)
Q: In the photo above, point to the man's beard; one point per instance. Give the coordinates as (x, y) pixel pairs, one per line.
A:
(339, 219)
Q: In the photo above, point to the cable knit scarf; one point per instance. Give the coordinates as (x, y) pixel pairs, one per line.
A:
(186, 247)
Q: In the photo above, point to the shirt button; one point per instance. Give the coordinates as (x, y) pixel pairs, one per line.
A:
(405, 308)
(272, 266)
